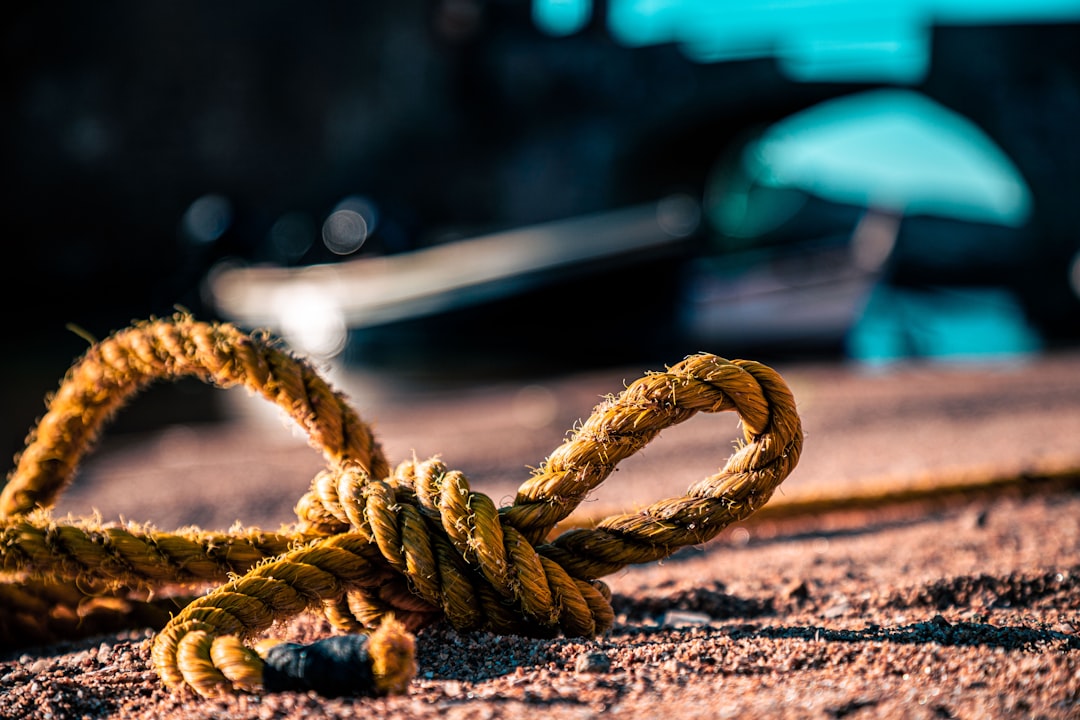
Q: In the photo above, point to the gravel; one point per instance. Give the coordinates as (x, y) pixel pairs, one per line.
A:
(965, 609)
(929, 616)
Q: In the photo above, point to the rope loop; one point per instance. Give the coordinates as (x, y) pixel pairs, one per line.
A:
(411, 545)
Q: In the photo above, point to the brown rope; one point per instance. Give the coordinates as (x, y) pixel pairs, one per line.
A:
(415, 544)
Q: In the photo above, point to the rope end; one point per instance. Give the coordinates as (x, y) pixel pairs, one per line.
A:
(393, 657)
(382, 663)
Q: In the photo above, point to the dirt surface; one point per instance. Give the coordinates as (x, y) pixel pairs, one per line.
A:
(965, 606)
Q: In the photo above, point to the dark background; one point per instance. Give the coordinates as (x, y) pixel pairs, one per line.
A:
(454, 118)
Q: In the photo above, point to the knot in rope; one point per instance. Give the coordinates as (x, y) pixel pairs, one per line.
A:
(414, 544)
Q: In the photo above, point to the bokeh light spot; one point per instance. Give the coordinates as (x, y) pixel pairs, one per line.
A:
(344, 231)
(678, 215)
(292, 236)
(207, 218)
(364, 206)
(311, 321)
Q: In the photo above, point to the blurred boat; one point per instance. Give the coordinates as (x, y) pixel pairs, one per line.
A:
(829, 229)
(581, 289)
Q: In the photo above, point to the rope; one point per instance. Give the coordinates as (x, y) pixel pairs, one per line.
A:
(378, 550)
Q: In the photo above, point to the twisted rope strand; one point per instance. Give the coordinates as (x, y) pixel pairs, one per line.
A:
(623, 425)
(121, 365)
(45, 548)
(371, 546)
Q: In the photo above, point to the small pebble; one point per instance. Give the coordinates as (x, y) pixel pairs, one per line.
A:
(976, 518)
(676, 618)
(592, 662)
(836, 610)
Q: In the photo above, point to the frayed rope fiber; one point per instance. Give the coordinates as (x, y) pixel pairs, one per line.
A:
(378, 551)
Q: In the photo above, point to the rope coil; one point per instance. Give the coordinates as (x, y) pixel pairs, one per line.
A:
(415, 543)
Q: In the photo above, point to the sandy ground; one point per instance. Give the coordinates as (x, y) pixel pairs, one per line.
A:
(966, 606)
